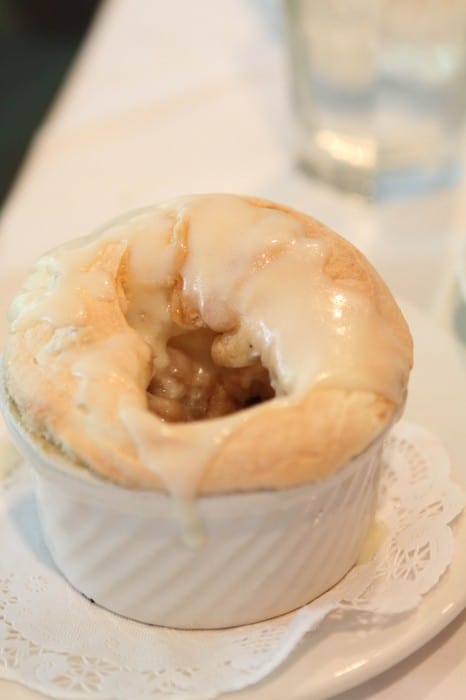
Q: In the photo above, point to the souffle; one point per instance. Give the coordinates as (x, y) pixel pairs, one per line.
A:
(203, 389)
(211, 344)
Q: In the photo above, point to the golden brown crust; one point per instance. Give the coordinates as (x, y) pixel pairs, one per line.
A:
(277, 446)
(294, 439)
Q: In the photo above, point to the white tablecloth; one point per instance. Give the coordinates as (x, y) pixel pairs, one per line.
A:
(181, 96)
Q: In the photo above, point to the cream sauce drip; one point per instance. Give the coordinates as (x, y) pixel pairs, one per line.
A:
(65, 282)
(271, 290)
(378, 533)
(9, 458)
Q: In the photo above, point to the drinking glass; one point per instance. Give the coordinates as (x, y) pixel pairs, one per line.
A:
(379, 91)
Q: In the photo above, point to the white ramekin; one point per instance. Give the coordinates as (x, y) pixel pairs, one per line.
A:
(265, 553)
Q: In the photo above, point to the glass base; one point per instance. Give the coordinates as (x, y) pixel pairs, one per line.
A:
(384, 184)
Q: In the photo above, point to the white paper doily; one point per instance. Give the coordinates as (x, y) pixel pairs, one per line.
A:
(53, 640)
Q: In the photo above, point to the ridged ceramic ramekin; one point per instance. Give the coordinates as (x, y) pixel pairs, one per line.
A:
(265, 553)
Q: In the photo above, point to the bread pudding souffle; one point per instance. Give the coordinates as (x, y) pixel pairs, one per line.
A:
(223, 358)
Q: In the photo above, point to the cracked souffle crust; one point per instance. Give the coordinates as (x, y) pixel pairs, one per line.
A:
(213, 343)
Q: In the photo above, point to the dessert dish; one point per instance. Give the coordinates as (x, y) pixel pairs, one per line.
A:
(220, 366)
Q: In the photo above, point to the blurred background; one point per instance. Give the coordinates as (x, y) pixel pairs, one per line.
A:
(38, 40)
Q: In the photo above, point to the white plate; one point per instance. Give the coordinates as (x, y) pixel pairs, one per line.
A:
(338, 656)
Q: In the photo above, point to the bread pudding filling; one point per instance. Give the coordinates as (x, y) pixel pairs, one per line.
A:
(193, 387)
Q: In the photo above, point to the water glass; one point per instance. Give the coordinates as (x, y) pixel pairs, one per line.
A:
(379, 91)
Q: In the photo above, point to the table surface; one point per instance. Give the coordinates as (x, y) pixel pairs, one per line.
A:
(181, 97)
